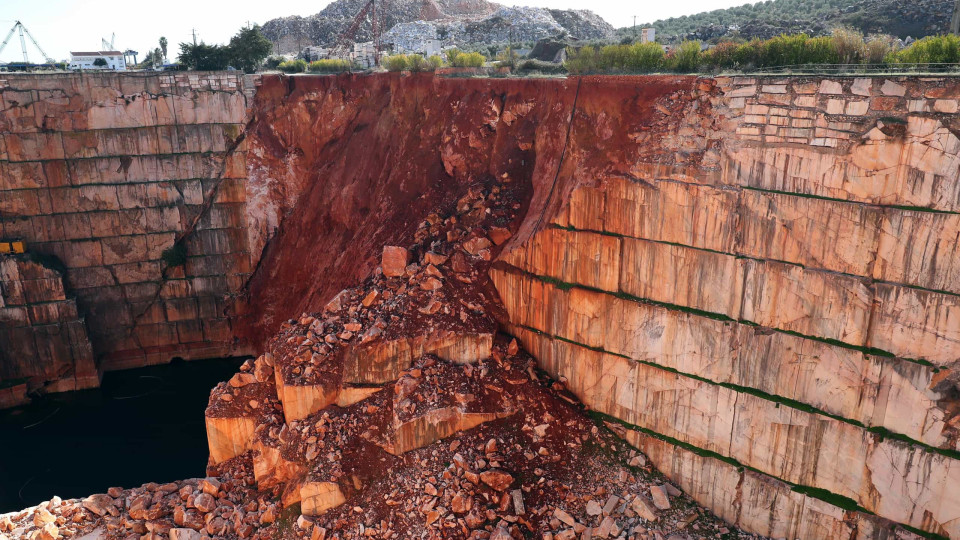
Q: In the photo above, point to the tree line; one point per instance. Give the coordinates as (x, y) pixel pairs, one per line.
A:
(844, 46)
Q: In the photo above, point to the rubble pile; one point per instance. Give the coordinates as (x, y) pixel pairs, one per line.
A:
(224, 505)
(545, 470)
(399, 412)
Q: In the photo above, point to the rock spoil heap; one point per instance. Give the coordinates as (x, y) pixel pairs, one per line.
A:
(453, 22)
(221, 506)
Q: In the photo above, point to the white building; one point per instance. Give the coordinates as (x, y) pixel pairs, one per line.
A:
(364, 54)
(648, 35)
(432, 47)
(85, 60)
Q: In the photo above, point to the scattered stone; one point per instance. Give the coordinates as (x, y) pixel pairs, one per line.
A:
(100, 504)
(518, 506)
(205, 503)
(394, 261)
(496, 479)
(564, 517)
(184, 534)
(239, 380)
(49, 532)
(476, 244)
(434, 258)
(643, 508)
(499, 235)
(210, 486)
(660, 498)
(370, 298)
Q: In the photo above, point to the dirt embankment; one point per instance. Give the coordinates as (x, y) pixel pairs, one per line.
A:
(345, 165)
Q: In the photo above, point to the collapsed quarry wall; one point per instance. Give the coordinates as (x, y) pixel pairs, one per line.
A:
(99, 175)
(755, 275)
(353, 163)
(789, 308)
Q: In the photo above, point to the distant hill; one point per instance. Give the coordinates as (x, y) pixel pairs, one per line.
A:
(901, 18)
(457, 22)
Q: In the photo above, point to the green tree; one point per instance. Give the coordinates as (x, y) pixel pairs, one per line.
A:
(203, 57)
(248, 48)
(163, 46)
(100, 62)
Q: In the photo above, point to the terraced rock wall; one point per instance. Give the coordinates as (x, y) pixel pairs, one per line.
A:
(102, 173)
(789, 308)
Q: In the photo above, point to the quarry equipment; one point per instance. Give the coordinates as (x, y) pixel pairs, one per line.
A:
(377, 22)
(23, 44)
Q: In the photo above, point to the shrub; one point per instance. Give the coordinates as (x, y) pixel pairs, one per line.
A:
(685, 58)
(458, 58)
(396, 62)
(645, 57)
(175, 255)
(582, 60)
(435, 62)
(329, 65)
(929, 50)
(540, 66)
(272, 62)
(416, 62)
(507, 58)
(726, 54)
(848, 45)
(878, 48)
(293, 66)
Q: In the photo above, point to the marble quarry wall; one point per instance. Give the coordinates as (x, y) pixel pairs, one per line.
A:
(777, 325)
(754, 276)
(100, 174)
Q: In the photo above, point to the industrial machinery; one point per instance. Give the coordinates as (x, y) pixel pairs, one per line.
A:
(377, 23)
(23, 44)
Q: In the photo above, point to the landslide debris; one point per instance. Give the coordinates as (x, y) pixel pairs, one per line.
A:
(398, 411)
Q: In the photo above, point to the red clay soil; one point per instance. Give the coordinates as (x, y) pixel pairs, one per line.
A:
(358, 161)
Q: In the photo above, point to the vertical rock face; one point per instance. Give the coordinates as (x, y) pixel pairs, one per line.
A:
(790, 306)
(43, 337)
(758, 276)
(351, 164)
(107, 172)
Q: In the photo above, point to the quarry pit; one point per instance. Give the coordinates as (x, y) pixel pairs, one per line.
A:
(612, 306)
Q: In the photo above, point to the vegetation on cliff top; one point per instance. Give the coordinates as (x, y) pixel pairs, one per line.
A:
(246, 51)
(769, 18)
(844, 46)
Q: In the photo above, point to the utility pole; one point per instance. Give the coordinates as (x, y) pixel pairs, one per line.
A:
(635, 26)
(194, 30)
(955, 20)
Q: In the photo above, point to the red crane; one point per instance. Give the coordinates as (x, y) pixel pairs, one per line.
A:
(377, 22)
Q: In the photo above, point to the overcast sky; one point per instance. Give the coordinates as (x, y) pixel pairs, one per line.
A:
(63, 25)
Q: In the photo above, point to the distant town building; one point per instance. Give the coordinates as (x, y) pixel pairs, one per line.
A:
(86, 60)
(648, 35)
(431, 47)
(314, 53)
(364, 54)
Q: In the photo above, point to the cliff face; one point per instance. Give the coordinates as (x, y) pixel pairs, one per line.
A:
(100, 175)
(791, 307)
(754, 278)
(357, 163)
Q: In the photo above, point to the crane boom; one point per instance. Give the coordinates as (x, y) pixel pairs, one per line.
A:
(35, 44)
(18, 26)
(7, 39)
(376, 26)
(23, 46)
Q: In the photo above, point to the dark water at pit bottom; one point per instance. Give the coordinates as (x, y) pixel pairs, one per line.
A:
(142, 425)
